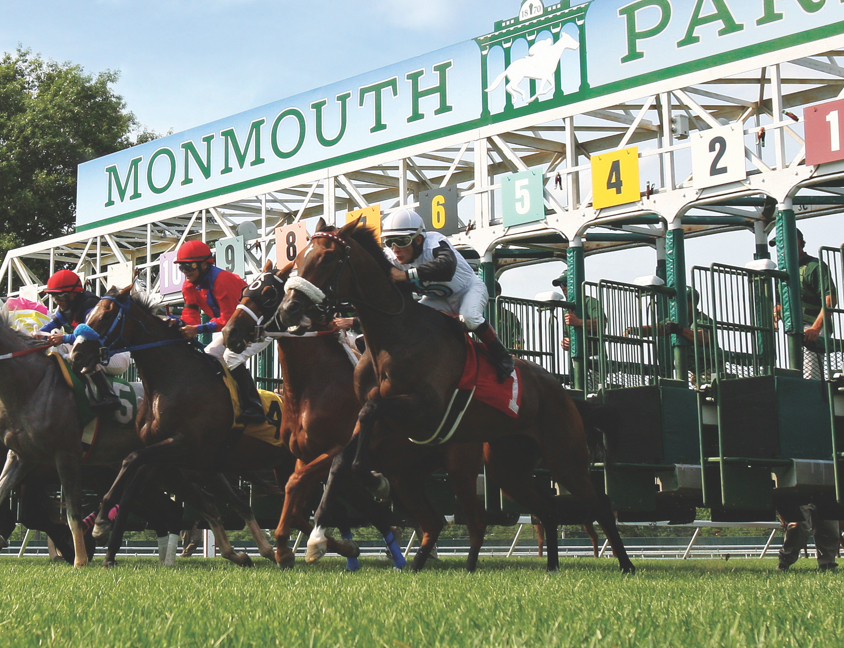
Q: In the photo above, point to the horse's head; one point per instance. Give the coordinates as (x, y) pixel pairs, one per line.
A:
(318, 269)
(107, 327)
(258, 307)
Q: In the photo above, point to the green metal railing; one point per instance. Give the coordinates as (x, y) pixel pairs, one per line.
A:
(733, 323)
(625, 345)
(534, 330)
(832, 283)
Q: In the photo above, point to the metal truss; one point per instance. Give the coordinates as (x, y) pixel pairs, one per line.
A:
(765, 101)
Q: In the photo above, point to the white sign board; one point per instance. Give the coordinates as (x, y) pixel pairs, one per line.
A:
(718, 156)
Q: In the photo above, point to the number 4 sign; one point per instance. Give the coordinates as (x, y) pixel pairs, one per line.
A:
(615, 178)
(823, 132)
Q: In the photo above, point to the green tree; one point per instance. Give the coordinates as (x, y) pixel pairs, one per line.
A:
(53, 116)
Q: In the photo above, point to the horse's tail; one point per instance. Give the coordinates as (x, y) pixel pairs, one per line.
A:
(601, 424)
(497, 81)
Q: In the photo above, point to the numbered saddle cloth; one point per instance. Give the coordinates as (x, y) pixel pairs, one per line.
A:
(480, 374)
(269, 431)
(130, 395)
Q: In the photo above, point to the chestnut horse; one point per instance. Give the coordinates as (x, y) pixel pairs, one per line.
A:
(186, 419)
(418, 355)
(319, 415)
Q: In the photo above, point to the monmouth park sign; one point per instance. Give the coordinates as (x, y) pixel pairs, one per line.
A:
(544, 58)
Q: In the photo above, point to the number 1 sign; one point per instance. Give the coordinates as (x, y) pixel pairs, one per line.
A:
(823, 132)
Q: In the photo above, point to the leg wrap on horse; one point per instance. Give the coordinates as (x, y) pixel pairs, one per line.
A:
(352, 564)
(395, 551)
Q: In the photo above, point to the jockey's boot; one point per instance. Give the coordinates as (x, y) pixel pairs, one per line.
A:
(108, 400)
(252, 410)
(501, 358)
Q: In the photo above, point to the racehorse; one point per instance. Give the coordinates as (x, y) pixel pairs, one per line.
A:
(186, 419)
(319, 414)
(418, 357)
(41, 426)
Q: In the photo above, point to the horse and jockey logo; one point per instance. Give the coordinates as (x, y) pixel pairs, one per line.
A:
(540, 65)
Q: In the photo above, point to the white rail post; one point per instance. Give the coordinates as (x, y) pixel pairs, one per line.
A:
(515, 540)
(691, 544)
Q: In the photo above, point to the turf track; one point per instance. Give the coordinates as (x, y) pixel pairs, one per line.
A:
(507, 603)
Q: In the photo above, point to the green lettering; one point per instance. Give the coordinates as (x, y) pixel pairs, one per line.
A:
(771, 14)
(377, 90)
(440, 89)
(122, 188)
(191, 152)
(634, 35)
(300, 120)
(231, 142)
(722, 14)
(318, 106)
(166, 152)
(811, 6)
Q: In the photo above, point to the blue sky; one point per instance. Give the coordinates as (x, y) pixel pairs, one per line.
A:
(184, 63)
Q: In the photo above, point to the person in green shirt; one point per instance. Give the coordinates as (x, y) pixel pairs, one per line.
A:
(594, 319)
(817, 293)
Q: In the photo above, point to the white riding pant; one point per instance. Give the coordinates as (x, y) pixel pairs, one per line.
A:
(232, 359)
(469, 304)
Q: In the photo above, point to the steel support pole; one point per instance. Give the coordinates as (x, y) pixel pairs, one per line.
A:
(575, 278)
(788, 259)
(675, 270)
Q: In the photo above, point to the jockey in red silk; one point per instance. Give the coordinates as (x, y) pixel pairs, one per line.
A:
(74, 303)
(216, 292)
(439, 272)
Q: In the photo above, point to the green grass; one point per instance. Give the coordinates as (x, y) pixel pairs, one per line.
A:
(508, 602)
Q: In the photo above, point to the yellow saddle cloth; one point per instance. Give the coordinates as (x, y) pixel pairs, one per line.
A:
(270, 431)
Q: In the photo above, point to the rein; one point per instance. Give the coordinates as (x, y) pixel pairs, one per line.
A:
(312, 291)
(107, 351)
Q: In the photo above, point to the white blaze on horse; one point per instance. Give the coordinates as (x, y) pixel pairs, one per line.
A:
(540, 65)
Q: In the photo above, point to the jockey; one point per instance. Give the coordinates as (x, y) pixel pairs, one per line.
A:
(447, 282)
(216, 292)
(74, 304)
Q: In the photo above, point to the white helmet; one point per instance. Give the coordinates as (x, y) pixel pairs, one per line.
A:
(403, 224)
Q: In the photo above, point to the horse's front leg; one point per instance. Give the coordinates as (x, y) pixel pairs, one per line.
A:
(13, 473)
(69, 468)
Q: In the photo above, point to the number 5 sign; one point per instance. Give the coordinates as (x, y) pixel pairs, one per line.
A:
(522, 198)
(718, 156)
(615, 178)
(289, 241)
(823, 132)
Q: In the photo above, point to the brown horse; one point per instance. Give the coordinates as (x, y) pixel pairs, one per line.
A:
(418, 356)
(319, 415)
(186, 419)
(40, 423)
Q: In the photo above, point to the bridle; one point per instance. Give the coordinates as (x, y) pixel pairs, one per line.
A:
(118, 324)
(329, 297)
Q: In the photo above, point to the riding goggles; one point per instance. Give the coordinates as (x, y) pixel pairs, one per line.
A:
(63, 295)
(188, 267)
(399, 241)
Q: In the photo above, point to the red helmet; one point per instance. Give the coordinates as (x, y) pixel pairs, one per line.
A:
(193, 251)
(64, 281)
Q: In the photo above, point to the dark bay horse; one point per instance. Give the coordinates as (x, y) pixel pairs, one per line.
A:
(186, 419)
(41, 425)
(418, 356)
(319, 415)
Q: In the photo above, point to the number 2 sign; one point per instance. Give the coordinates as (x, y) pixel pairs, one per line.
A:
(718, 156)
(615, 178)
(823, 132)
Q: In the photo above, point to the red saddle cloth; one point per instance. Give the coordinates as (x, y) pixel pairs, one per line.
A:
(480, 374)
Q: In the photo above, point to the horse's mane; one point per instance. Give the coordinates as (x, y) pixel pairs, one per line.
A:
(148, 302)
(366, 238)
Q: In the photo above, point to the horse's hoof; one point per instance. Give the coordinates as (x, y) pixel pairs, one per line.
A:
(628, 570)
(382, 491)
(108, 563)
(101, 530)
(285, 560)
(317, 546)
(244, 560)
(348, 549)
